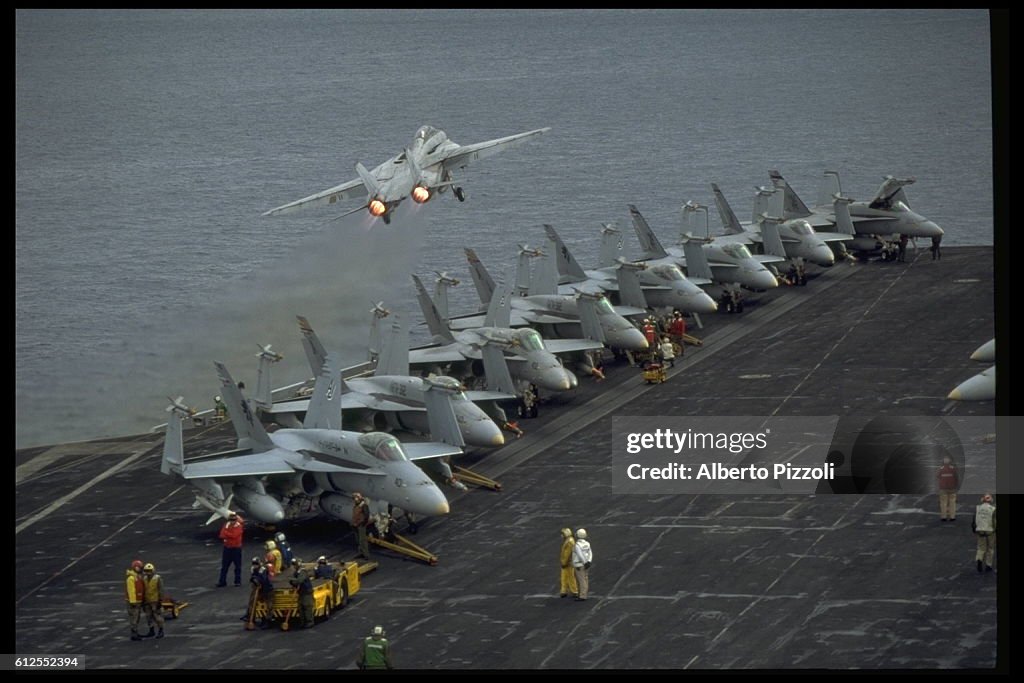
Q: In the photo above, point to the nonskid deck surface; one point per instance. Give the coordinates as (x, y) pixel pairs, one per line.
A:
(679, 581)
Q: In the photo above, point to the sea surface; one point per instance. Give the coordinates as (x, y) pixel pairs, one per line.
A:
(148, 143)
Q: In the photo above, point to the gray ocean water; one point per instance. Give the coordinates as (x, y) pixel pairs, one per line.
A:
(148, 143)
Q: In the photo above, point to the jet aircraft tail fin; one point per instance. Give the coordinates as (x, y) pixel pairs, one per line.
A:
(369, 181)
(648, 240)
(431, 314)
(482, 280)
(569, 269)
(793, 205)
(324, 411)
(499, 310)
(316, 354)
(545, 273)
(249, 430)
(725, 213)
(394, 352)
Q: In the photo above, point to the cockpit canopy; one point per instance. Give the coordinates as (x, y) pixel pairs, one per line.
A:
(529, 340)
(429, 138)
(667, 271)
(603, 305)
(737, 251)
(382, 446)
(802, 228)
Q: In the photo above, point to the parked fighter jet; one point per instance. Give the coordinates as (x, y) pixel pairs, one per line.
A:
(392, 399)
(270, 472)
(800, 241)
(504, 352)
(420, 171)
(886, 215)
(663, 285)
(562, 316)
(726, 264)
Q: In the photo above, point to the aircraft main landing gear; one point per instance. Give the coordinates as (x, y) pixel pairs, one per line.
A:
(460, 194)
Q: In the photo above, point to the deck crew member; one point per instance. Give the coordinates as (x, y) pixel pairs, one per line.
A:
(567, 580)
(375, 652)
(273, 559)
(582, 556)
(302, 581)
(360, 519)
(135, 592)
(984, 526)
(949, 482)
(231, 535)
(153, 591)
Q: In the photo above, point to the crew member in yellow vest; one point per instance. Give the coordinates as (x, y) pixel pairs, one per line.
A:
(154, 590)
(567, 579)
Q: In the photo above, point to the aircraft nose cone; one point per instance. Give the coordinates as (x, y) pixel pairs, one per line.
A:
(931, 229)
(823, 256)
(630, 339)
(278, 515)
(764, 279)
(427, 501)
(483, 433)
(700, 302)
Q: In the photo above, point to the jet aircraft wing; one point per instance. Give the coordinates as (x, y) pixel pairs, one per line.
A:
(463, 155)
(570, 345)
(487, 396)
(833, 236)
(349, 401)
(425, 450)
(436, 354)
(353, 188)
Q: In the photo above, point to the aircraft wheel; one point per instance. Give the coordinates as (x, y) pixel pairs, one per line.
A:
(344, 594)
(460, 194)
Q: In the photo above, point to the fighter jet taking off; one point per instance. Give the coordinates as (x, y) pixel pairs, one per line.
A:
(422, 170)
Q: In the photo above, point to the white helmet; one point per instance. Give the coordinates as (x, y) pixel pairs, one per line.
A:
(270, 545)
(378, 630)
(581, 533)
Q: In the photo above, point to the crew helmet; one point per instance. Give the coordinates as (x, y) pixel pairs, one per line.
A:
(255, 561)
(270, 545)
(987, 498)
(581, 533)
(567, 533)
(149, 567)
(136, 565)
(280, 537)
(378, 630)
(321, 560)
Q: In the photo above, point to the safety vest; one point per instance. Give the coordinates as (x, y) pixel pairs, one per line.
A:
(154, 587)
(947, 478)
(984, 518)
(649, 334)
(375, 653)
(566, 554)
(134, 588)
(678, 327)
(274, 559)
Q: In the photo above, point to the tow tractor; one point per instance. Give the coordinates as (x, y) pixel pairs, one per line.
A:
(328, 595)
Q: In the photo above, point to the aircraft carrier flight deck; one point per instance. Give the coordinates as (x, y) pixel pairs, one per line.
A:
(679, 581)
